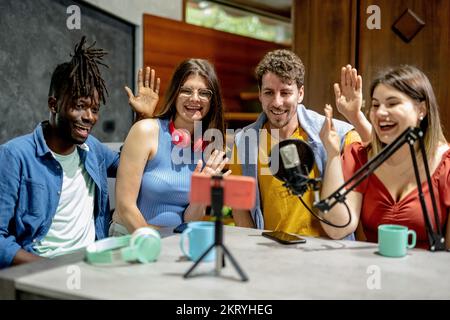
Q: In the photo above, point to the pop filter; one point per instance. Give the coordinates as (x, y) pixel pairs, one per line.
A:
(296, 160)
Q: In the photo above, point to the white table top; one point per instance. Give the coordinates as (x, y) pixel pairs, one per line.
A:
(318, 269)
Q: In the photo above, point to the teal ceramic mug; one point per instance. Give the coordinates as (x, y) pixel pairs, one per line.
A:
(393, 240)
(200, 236)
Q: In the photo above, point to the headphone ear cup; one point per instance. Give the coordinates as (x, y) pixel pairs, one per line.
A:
(181, 138)
(146, 243)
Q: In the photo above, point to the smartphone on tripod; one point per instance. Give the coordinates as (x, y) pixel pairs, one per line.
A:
(217, 191)
(238, 192)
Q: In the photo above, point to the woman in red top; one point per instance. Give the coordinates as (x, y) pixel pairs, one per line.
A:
(400, 98)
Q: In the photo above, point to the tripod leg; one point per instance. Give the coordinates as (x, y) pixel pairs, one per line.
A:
(234, 263)
(219, 259)
(186, 275)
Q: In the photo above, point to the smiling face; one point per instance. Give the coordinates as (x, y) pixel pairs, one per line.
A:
(392, 112)
(193, 101)
(74, 119)
(279, 100)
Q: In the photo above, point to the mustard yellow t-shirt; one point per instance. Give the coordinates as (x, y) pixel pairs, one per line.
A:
(282, 210)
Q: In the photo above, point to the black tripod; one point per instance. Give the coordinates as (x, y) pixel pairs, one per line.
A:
(221, 250)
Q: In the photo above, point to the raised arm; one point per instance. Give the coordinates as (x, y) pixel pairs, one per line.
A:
(146, 100)
(349, 101)
(333, 179)
(140, 145)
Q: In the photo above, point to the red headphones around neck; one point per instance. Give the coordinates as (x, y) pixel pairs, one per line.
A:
(182, 138)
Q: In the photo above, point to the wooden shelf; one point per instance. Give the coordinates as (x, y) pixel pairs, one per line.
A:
(245, 96)
(244, 116)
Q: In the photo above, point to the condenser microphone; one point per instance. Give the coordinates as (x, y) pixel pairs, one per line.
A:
(291, 163)
(290, 159)
(297, 159)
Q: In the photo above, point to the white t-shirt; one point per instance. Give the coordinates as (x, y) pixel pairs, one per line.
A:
(73, 225)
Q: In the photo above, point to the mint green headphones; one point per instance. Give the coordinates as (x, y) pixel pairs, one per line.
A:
(144, 245)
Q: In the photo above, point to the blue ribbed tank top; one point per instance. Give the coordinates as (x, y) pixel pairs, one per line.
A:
(165, 185)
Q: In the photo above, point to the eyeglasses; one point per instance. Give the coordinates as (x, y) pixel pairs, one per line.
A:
(203, 94)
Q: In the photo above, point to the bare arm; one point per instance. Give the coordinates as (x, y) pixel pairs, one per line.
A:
(349, 101)
(140, 145)
(243, 218)
(23, 256)
(333, 179)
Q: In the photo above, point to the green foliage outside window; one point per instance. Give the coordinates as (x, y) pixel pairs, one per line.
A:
(246, 24)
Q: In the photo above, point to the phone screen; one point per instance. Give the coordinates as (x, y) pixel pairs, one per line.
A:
(283, 237)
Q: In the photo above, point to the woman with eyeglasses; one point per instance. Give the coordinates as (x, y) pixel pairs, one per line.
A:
(160, 154)
(401, 97)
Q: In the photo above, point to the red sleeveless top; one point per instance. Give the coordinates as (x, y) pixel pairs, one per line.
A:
(379, 207)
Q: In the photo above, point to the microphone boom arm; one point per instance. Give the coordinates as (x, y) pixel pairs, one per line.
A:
(411, 135)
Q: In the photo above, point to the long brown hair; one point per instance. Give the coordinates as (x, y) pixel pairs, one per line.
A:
(201, 67)
(415, 84)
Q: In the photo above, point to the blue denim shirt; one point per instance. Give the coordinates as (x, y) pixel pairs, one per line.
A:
(30, 187)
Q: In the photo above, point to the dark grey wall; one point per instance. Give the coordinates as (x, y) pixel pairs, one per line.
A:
(34, 39)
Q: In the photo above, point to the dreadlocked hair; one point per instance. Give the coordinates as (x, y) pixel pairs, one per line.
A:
(81, 76)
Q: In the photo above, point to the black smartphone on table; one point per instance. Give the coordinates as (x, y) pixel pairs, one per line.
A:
(283, 237)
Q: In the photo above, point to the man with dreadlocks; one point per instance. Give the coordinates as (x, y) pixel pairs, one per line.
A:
(53, 187)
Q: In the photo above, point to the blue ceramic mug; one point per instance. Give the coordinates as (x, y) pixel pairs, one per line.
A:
(200, 236)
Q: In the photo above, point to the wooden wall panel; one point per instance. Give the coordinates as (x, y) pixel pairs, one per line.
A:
(330, 33)
(168, 42)
(324, 38)
(429, 50)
